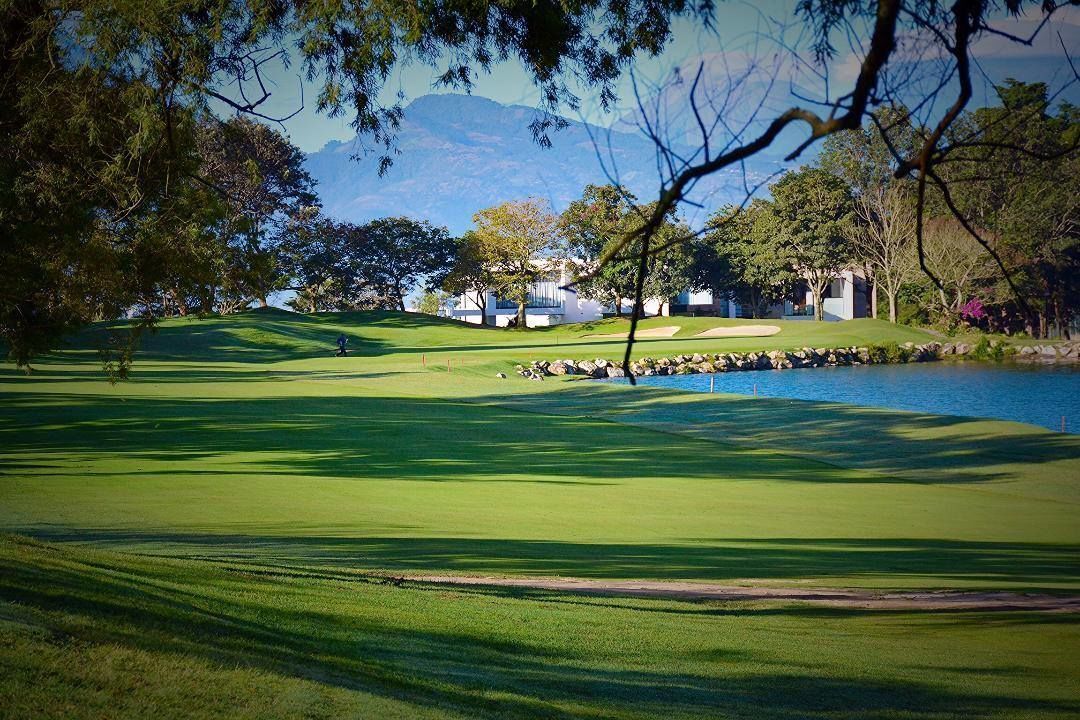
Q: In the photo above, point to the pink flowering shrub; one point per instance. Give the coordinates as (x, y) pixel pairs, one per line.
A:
(973, 310)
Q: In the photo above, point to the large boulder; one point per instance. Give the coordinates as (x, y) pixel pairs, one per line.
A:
(614, 372)
(587, 367)
(557, 368)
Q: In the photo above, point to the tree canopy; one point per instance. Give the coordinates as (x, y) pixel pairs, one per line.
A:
(517, 242)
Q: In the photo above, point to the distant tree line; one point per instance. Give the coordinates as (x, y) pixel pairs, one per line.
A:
(1014, 181)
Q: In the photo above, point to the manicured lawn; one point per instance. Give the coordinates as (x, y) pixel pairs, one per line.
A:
(92, 634)
(242, 447)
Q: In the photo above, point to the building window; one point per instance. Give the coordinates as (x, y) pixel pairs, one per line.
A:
(542, 294)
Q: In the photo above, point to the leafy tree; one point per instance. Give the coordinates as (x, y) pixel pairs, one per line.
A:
(592, 224)
(469, 276)
(516, 242)
(86, 161)
(361, 287)
(745, 256)
(313, 254)
(262, 178)
(1016, 175)
(670, 271)
(960, 264)
(432, 301)
(402, 253)
(598, 221)
(813, 211)
(883, 234)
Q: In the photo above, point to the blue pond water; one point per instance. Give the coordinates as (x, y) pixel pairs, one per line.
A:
(1039, 395)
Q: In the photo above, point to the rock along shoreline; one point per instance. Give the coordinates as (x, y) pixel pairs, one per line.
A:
(697, 363)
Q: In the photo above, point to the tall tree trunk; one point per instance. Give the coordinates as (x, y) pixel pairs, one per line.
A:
(521, 325)
(892, 305)
(400, 297)
(262, 301)
(618, 305)
(819, 310)
(481, 303)
(874, 301)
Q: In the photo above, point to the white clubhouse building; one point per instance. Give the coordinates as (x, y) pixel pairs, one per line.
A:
(552, 304)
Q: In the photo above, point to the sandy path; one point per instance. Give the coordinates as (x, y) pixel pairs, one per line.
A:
(869, 599)
(665, 331)
(740, 331)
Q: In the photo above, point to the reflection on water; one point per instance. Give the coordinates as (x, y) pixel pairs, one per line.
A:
(1036, 394)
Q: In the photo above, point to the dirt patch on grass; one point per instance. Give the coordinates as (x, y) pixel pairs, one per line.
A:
(740, 331)
(839, 597)
(665, 331)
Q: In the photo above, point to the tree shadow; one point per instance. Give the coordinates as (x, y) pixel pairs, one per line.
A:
(901, 446)
(354, 437)
(452, 653)
(938, 564)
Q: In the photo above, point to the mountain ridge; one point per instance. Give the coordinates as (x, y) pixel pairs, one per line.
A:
(461, 153)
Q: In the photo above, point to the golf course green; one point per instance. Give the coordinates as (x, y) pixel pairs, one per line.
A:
(237, 531)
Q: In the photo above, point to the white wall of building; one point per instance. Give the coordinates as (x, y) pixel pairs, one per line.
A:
(847, 302)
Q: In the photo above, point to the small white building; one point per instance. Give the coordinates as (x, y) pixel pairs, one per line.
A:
(549, 303)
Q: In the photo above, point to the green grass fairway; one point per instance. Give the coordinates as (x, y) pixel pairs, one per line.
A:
(91, 634)
(273, 476)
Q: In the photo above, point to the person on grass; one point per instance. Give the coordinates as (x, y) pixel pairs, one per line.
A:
(341, 342)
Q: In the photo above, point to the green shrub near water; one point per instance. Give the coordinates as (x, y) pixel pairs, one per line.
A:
(888, 352)
(987, 349)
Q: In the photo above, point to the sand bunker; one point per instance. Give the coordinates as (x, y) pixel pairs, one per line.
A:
(740, 331)
(666, 331)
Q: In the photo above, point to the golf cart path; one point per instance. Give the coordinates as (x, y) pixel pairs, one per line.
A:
(838, 597)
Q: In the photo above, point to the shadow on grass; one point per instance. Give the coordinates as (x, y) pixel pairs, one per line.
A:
(567, 434)
(450, 651)
(1027, 566)
(908, 446)
(396, 438)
